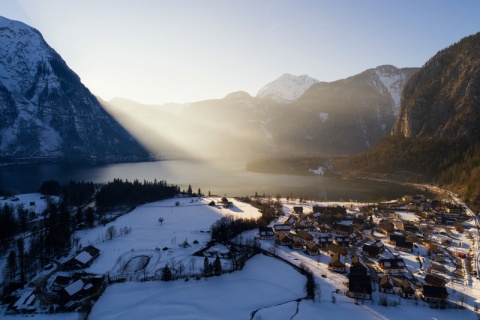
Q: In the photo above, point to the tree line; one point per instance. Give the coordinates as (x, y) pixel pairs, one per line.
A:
(119, 192)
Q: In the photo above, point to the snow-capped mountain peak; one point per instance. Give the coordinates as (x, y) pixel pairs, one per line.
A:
(287, 88)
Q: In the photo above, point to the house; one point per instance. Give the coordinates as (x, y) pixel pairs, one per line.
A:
(336, 249)
(298, 210)
(283, 239)
(292, 220)
(359, 287)
(311, 249)
(305, 235)
(376, 243)
(371, 251)
(407, 290)
(296, 244)
(61, 282)
(386, 285)
(391, 266)
(434, 294)
(266, 232)
(357, 266)
(337, 263)
(434, 280)
(73, 291)
(342, 241)
(386, 227)
(281, 228)
(405, 246)
(396, 237)
(83, 259)
(352, 237)
(325, 241)
(342, 229)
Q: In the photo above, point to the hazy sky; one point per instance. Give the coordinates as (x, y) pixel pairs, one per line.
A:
(156, 51)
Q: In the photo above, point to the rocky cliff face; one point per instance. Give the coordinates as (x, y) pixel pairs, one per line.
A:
(47, 113)
(442, 100)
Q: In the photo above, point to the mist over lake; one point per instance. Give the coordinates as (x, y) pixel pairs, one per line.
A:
(219, 177)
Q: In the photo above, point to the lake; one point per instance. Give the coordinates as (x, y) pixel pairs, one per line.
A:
(219, 177)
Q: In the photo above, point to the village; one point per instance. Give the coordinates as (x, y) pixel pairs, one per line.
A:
(411, 251)
(412, 248)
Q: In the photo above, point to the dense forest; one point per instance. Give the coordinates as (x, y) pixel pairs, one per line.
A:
(450, 163)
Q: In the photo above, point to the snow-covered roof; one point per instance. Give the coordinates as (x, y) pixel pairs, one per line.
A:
(74, 287)
(25, 300)
(83, 257)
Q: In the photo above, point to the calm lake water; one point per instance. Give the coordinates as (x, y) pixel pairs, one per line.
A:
(219, 177)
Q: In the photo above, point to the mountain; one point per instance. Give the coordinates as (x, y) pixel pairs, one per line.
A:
(436, 136)
(345, 116)
(443, 99)
(47, 113)
(340, 117)
(287, 88)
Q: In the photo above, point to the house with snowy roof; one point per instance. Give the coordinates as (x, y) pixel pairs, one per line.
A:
(83, 259)
(337, 263)
(72, 291)
(311, 249)
(386, 284)
(407, 290)
(266, 232)
(391, 266)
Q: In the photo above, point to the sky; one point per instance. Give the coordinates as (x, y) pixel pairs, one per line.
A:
(155, 51)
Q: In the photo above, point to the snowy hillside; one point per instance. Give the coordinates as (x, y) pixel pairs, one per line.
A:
(286, 88)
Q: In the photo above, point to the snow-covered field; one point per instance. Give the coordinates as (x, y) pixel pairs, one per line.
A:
(265, 284)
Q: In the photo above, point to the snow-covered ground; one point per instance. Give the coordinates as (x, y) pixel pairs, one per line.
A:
(265, 284)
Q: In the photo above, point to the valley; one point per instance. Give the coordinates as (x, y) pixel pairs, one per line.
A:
(182, 241)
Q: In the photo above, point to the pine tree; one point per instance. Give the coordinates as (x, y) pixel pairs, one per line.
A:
(217, 267)
(206, 267)
(189, 191)
(90, 218)
(166, 273)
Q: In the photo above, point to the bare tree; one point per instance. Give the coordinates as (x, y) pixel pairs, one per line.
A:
(111, 233)
(76, 243)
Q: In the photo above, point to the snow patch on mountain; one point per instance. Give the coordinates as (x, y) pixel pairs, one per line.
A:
(394, 81)
(286, 88)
